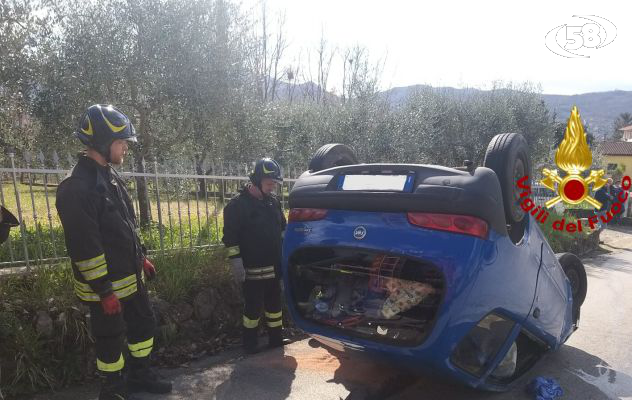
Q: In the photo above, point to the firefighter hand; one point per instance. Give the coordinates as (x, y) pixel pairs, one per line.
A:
(111, 305)
(150, 270)
(237, 265)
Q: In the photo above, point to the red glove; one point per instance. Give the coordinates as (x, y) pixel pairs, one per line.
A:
(150, 270)
(111, 305)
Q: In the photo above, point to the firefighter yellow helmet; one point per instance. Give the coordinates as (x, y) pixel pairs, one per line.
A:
(102, 124)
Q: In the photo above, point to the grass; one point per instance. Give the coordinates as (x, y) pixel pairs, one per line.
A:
(36, 209)
(183, 273)
(173, 196)
(184, 224)
(186, 221)
(44, 243)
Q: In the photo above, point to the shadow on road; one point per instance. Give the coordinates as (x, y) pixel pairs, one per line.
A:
(364, 377)
(581, 375)
(620, 228)
(267, 376)
(270, 375)
(604, 263)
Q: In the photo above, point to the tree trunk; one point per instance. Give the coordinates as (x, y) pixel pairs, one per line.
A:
(199, 163)
(144, 209)
(143, 193)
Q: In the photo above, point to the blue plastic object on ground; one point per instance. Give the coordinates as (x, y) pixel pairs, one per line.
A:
(545, 388)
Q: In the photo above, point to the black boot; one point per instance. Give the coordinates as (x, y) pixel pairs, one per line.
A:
(143, 379)
(250, 340)
(275, 338)
(114, 387)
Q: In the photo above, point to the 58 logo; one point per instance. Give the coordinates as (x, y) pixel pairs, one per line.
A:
(565, 40)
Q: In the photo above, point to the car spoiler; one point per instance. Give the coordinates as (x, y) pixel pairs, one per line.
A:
(432, 188)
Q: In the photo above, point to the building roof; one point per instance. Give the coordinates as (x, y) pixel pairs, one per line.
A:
(617, 148)
(626, 128)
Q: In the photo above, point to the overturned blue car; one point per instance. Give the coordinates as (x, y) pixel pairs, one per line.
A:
(436, 269)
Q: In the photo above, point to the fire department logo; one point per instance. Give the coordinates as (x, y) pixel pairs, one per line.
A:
(574, 157)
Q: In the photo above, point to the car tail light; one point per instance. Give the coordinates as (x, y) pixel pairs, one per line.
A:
(452, 223)
(306, 214)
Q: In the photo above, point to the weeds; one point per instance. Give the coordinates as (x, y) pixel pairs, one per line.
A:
(182, 273)
(31, 361)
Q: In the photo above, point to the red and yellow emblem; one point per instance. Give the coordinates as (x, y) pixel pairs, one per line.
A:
(573, 156)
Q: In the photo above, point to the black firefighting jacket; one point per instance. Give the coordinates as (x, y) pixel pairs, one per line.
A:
(253, 230)
(100, 230)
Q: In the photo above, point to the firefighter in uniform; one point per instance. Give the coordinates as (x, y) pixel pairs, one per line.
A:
(108, 258)
(253, 227)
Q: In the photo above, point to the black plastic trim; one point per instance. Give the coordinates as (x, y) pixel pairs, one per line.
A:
(436, 189)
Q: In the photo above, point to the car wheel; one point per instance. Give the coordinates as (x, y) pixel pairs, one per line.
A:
(576, 274)
(332, 155)
(508, 156)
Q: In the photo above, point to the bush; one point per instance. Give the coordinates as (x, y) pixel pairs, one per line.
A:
(563, 241)
(32, 360)
(182, 273)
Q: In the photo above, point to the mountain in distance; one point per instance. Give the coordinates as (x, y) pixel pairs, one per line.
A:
(599, 109)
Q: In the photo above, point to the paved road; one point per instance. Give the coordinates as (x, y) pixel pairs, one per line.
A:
(596, 362)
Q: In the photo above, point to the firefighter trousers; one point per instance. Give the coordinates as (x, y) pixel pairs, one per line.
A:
(136, 322)
(262, 294)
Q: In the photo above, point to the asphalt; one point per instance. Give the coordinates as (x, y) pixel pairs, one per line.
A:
(596, 362)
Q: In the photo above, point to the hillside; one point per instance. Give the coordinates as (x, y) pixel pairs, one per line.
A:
(599, 110)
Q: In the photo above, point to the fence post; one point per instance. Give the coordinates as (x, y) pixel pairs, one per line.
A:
(49, 214)
(19, 207)
(196, 187)
(179, 212)
(38, 230)
(208, 228)
(146, 195)
(2, 202)
(133, 180)
(215, 195)
(166, 180)
(188, 189)
(160, 227)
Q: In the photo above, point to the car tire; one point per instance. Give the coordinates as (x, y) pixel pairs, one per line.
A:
(576, 274)
(332, 155)
(508, 156)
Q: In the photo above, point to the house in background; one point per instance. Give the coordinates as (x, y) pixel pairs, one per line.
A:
(627, 133)
(617, 158)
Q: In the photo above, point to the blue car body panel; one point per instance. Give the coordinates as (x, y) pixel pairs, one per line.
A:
(481, 276)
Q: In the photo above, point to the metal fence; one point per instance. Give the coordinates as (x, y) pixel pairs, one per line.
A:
(184, 208)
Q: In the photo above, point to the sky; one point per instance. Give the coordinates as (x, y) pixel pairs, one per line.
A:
(466, 43)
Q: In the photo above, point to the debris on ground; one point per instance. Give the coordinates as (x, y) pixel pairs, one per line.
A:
(545, 388)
